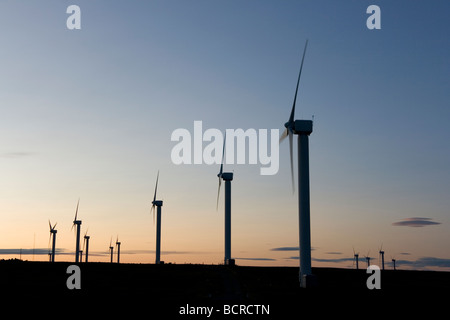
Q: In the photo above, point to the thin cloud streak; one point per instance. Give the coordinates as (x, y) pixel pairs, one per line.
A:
(257, 259)
(36, 251)
(16, 155)
(415, 222)
(424, 262)
(285, 249)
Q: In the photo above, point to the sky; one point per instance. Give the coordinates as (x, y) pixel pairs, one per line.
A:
(88, 114)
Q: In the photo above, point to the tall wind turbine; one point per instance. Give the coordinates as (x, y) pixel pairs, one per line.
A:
(227, 177)
(355, 260)
(78, 224)
(302, 128)
(111, 249)
(381, 253)
(53, 232)
(368, 259)
(158, 204)
(86, 246)
(393, 262)
(118, 249)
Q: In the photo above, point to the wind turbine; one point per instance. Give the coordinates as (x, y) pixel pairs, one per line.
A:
(302, 128)
(86, 246)
(393, 262)
(78, 224)
(118, 249)
(355, 260)
(53, 232)
(227, 177)
(158, 204)
(111, 249)
(368, 259)
(381, 253)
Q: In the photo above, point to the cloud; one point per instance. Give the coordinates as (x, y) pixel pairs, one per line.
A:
(337, 260)
(432, 262)
(424, 262)
(15, 155)
(36, 251)
(287, 249)
(415, 222)
(257, 259)
(153, 251)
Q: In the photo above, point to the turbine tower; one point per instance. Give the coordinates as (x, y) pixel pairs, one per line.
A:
(53, 232)
(302, 128)
(368, 259)
(227, 177)
(78, 224)
(118, 249)
(393, 263)
(86, 246)
(111, 249)
(158, 204)
(356, 257)
(381, 253)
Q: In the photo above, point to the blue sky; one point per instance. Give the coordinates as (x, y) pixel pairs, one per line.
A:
(89, 113)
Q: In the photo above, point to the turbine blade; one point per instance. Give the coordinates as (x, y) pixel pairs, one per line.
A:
(283, 135)
(156, 187)
(49, 239)
(218, 193)
(153, 213)
(223, 154)
(291, 117)
(76, 211)
(50, 225)
(291, 136)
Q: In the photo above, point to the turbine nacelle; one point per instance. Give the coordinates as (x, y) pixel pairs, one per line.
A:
(52, 229)
(157, 203)
(227, 176)
(300, 126)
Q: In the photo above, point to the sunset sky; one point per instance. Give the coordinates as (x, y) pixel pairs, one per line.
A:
(89, 114)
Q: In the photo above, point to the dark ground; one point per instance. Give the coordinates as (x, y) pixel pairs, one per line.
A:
(170, 287)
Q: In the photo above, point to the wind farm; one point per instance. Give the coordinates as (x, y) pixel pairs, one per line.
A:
(224, 151)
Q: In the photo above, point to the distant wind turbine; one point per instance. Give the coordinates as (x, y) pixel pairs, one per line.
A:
(381, 254)
(227, 177)
(118, 249)
(77, 223)
(111, 249)
(355, 260)
(302, 128)
(86, 246)
(53, 232)
(393, 262)
(368, 259)
(158, 204)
